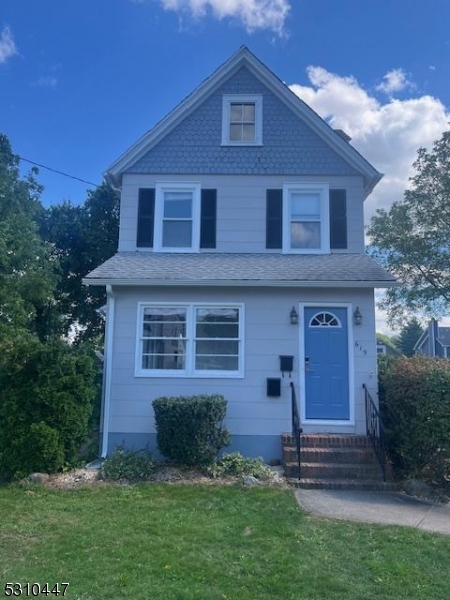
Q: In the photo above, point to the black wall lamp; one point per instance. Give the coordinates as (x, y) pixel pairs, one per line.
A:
(357, 316)
(293, 316)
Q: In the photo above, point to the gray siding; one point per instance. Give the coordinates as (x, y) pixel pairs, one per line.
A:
(268, 334)
(241, 207)
(289, 146)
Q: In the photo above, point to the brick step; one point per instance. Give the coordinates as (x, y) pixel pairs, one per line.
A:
(343, 484)
(334, 471)
(323, 440)
(331, 455)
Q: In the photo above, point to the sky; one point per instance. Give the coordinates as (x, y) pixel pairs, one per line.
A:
(82, 80)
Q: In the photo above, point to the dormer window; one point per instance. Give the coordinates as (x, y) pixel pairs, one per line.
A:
(242, 120)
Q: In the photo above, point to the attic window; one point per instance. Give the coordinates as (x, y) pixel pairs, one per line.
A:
(242, 120)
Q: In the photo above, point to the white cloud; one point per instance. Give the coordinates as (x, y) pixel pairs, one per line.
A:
(254, 14)
(7, 45)
(387, 134)
(395, 81)
(47, 81)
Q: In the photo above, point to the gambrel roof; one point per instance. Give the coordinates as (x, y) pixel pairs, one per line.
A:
(244, 58)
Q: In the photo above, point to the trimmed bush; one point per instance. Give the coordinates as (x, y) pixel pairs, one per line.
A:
(46, 398)
(129, 465)
(190, 428)
(415, 405)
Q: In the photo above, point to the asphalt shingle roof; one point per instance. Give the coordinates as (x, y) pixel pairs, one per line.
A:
(149, 268)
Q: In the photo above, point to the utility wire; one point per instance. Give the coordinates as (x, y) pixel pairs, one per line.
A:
(51, 169)
(56, 171)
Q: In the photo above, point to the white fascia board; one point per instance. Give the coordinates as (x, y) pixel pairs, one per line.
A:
(238, 283)
(244, 57)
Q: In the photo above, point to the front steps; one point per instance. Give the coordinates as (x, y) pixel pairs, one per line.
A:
(332, 461)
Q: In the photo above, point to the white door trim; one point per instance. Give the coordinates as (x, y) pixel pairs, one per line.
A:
(351, 373)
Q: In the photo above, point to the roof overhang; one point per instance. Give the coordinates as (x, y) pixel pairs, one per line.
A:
(236, 283)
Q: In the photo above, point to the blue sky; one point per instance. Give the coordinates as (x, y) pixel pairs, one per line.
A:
(81, 80)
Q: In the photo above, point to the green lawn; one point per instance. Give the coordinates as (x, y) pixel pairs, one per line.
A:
(164, 542)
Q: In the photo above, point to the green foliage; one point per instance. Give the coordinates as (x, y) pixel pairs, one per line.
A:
(43, 448)
(411, 238)
(28, 275)
(46, 397)
(189, 428)
(415, 405)
(235, 465)
(409, 335)
(82, 237)
(128, 465)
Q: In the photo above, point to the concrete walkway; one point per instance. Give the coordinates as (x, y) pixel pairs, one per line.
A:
(389, 508)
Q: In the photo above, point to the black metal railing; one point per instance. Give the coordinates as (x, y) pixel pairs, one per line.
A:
(375, 429)
(296, 427)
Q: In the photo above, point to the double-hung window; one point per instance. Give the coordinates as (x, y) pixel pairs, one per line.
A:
(217, 339)
(241, 120)
(191, 340)
(177, 217)
(306, 226)
(163, 338)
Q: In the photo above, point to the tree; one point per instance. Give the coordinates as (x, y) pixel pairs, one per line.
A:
(412, 238)
(47, 387)
(28, 275)
(82, 237)
(47, 391)
(408, 337)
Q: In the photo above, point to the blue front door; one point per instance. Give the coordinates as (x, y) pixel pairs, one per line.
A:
(326, 364)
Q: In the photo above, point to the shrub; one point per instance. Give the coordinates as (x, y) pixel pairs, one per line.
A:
(235, 465)
(129, 465)
(189, 428)
(415, 403)
(46, 398)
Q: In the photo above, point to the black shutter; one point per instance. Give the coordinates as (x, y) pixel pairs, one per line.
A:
(208, 219)
(274, 218)
(338, 219)
(146, 218)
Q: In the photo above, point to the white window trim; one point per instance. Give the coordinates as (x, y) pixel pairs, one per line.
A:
(160, 189)
(189, 371)
(227, 100)
(324, 190)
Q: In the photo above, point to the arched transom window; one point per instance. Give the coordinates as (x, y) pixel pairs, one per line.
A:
(324, 319)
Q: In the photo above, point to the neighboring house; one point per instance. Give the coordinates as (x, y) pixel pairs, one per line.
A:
(240, 267)
(385, 347)
(434, 341)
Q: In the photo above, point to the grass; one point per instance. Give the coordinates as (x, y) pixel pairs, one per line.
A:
(194, 542)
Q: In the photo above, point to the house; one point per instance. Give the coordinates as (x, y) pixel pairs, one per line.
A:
(241, 267)
(384, 346)
(434, 341)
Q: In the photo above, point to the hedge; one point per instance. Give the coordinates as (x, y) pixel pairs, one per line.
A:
(190, 428)
(47, 393)
(415, 406)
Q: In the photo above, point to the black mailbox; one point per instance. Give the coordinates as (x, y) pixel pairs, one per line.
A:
(274, 387)
(286, 364)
